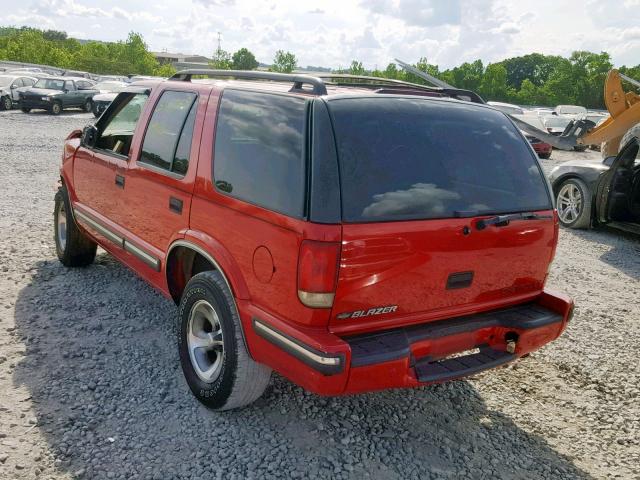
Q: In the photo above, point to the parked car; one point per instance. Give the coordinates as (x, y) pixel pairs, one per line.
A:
(10, 87)
(570, 110)
(507, 108)
(543, 149)
(556, 124)
(77, 74)
(590, 193)
(108, 91)
(302, 227)
(55, 94)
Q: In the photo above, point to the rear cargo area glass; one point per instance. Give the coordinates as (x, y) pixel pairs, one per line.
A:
(413, 158)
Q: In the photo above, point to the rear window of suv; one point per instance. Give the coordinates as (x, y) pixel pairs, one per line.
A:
(411, 158)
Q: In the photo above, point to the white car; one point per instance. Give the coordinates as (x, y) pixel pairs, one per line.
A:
(573, 110)
(507, 108)
(10, 85)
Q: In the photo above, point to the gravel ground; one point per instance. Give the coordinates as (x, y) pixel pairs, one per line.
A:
(91, 387)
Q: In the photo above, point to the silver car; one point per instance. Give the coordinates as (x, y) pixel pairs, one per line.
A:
(10, 86)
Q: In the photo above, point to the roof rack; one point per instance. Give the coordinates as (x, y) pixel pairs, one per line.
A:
(371, 82)
(298, 80)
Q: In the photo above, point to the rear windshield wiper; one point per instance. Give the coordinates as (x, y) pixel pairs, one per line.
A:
(503, 220)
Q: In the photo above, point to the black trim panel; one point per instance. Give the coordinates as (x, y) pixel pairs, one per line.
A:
(306, 354)
(371, 348)
(450, 368)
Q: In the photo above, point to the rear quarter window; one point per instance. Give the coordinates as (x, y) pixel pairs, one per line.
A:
(259, 150)
(410, 158)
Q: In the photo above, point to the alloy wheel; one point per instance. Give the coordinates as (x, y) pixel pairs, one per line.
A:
(569, 203)
(205, 341)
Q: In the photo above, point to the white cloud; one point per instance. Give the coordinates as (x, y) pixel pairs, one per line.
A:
(335, 32)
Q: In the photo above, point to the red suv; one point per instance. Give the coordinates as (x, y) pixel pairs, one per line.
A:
(352, 234)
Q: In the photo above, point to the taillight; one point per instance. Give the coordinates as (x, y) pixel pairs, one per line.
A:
(318, 273)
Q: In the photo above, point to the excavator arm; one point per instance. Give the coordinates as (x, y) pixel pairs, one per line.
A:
(624, 111)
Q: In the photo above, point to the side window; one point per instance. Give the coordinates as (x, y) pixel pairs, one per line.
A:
(17, 83)
(68, 85)
(28, 82)
(259, 152)
(83, 86)
(117, 127)
(167, 141)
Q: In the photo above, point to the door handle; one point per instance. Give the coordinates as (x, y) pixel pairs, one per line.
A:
(119, 181)
(175, 205)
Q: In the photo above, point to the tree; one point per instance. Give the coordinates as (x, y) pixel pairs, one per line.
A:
(167, 70)
(221, 60)
(284, 62)
(243, 59)
(356, 68)
(494, 83)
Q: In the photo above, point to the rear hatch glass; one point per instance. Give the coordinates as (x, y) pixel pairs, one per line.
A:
(407, 159)
(416, 175)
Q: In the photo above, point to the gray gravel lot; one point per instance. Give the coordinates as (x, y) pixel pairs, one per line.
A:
(91, 387)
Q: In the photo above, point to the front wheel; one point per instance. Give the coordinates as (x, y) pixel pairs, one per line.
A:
(214, 359)
(56, 108)
(574, 204)
(73, 247)
(7, 104)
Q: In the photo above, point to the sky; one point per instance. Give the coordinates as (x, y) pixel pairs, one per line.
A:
(332, 33)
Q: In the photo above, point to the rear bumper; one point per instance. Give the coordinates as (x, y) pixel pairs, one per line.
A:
(403, 357)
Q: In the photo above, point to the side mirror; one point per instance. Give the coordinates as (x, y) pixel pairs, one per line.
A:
(65, 90)
(89, 136)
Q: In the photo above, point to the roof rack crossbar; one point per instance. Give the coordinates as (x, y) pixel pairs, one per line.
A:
(318, 85)
(368, 81)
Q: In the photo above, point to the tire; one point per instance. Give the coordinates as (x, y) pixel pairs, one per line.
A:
(580, 215)
(96, 113)
(73, 247)
(221, 376)
(581, 148)
(88, 106)
(545, 156)
(25, 110)
(6, 104)
(56, 108)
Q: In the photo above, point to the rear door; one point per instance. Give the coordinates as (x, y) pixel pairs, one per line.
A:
(615, 185)
(417, 176)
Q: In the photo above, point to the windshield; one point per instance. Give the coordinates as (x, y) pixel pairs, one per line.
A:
(5, 81)
(409, 159)
(556, 122)
(50, 84)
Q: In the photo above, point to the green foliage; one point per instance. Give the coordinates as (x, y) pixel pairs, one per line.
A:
(284, 62)
(221, 60)
(357, 68)
(166, 70)
(243, 59)
(54, 48)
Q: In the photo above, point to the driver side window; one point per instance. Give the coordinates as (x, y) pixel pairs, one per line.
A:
(116, 130)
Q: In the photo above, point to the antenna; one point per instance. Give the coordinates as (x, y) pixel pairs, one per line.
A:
(219, 46)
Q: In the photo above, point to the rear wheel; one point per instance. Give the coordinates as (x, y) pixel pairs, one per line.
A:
(25, 109)
(73, 247)
(7, 104)
(88, 106)
(574, 204)
(214, 359)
